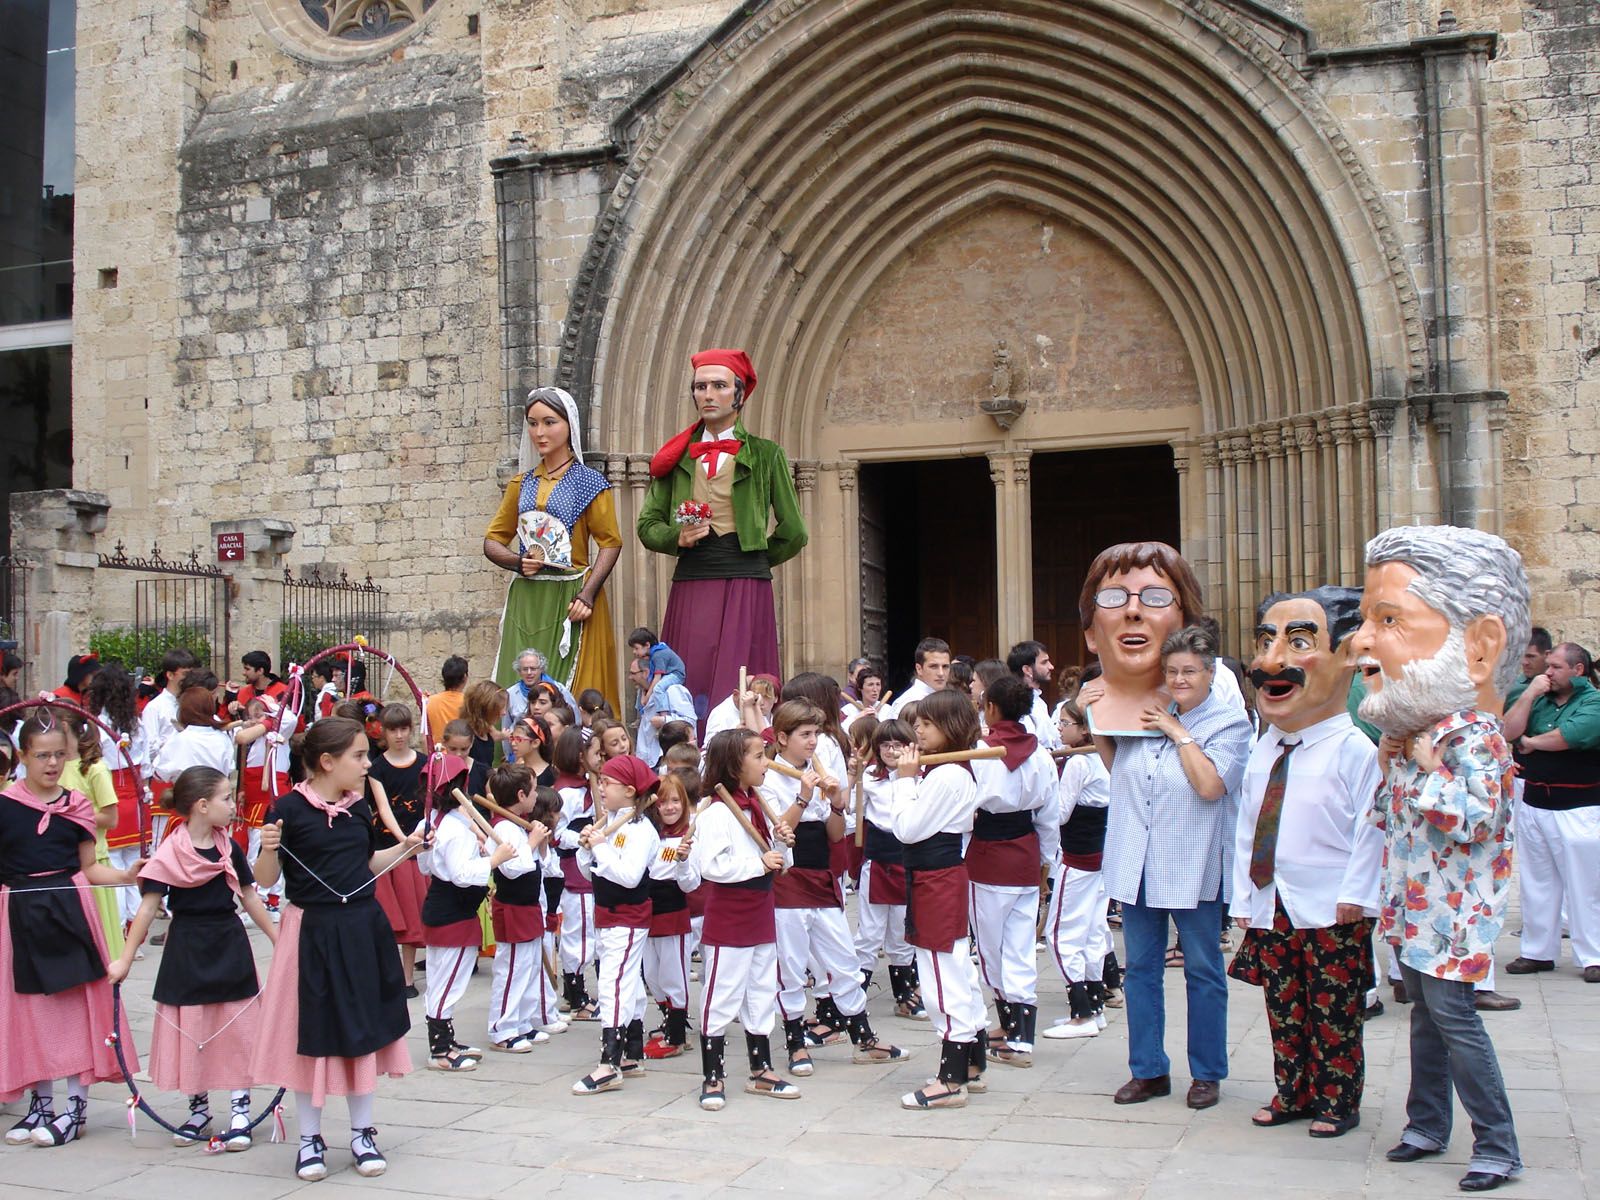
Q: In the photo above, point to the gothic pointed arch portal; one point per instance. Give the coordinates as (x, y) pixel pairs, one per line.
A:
(794, 171)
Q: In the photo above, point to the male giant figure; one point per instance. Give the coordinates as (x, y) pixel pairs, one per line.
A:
(1445, 620)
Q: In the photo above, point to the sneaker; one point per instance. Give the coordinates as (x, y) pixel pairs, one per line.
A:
(556, 1026)
(369, 1159)
(1087, 1028)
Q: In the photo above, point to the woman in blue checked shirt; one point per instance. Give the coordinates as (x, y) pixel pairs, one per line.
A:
(1174, 800)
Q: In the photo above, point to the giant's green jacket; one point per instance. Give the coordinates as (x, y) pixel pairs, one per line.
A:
(762, 483)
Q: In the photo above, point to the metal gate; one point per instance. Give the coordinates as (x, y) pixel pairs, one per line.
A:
(320, 612)
(185, 603)
(14, 608)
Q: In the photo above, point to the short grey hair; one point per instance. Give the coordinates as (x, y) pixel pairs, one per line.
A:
(1195, 640)
(1465, 574)
(531, 653)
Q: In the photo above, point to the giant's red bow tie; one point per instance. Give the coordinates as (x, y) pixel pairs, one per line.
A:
(729, 446)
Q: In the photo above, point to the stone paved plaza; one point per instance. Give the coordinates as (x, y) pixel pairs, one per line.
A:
(512, 1130)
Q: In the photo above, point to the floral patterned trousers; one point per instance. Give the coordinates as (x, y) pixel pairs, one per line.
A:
(1315, 983)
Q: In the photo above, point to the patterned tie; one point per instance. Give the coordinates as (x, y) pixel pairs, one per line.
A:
(1264, 852)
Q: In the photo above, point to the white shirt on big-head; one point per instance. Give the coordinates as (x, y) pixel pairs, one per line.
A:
(1328, 852)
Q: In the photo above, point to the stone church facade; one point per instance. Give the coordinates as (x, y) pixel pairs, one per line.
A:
(1019, 280)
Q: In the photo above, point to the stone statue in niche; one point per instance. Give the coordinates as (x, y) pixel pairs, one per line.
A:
(1001, 404)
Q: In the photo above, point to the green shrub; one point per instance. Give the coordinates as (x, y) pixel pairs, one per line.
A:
(141, 649)
(296, 643)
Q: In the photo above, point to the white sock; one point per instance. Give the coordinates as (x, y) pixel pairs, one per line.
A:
(77, 1089)
(360, 1112)
(45, 1089)
(307, 1115)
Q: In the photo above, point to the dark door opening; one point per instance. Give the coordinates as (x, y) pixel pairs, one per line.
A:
(927, 560)
(1082, 502)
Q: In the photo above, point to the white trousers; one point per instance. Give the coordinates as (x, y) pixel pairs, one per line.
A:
(449, 972)
(880, 927)
(666, 968)
(514, 994)
(1076, 925)
(740, 984)
(546, 999)
(127, 897)
(577, 931)
(950, 993)
(1559, 854)
(1005, 923)
(820, 935)
(620, 997)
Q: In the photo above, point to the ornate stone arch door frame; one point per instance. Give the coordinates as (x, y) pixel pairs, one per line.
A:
(798, 155)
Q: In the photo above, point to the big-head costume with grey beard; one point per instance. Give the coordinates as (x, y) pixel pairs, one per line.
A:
(1463, 574)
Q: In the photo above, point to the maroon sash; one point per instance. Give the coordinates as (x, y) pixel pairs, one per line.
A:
(936, 909)
(886, 883)
(515, 922)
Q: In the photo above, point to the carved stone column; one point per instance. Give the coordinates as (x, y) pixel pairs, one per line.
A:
(1218, 584)
(1245, 540)
(1265, 579)
(1380, 419)
(1294, 541)
(1013, 514)
(644, 604)
(1312, 514)
(1339, 425)
(800, 651)
(1365, 472)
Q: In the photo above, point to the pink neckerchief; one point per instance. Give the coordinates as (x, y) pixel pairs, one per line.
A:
(76, 809)
(340, 808)
(179, 863)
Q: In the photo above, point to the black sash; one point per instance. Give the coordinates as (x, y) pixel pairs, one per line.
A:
(1085, 831)
(610, 894)
(1001, 827)
(811, 846)
(445, 903)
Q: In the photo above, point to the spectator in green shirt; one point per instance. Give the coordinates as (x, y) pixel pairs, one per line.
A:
(1555, 726)
(1533, 662)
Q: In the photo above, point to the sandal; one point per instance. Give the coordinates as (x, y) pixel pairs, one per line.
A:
(911, 1009)
(631, 1068)
(713, 1095)
(924, 1099)
(587, 1011)
(818, 1034)
(875, 1052)
(1340, 1125)
(593, 1085)
(1278, 1116)
(453, 1060)
(193, 1130)
(1002, 1052)
(311, 1164)
(369, 1159)
(1175, 957)
(765, 1083)
(40, 1113)
(65, 1127)
(800, 1063)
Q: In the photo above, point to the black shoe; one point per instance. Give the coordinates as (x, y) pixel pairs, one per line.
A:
(1480, 1181)
(1405, 1152)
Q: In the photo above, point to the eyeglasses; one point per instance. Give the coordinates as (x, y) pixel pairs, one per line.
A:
(1153, 596)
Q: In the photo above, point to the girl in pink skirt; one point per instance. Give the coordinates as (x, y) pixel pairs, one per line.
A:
(333, 1013)
(54, 996)
(206, 1003)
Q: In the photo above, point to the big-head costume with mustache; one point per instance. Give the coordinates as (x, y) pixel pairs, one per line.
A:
(1301, 668)
(1445, 621)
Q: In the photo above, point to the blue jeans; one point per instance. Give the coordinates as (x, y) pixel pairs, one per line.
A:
(1449, 1046)
(1144, 935)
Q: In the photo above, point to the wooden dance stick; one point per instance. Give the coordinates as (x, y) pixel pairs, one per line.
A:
(783, 767)
(744, 686)
(861, 810)
(627, 815)
(475, 816)
(1068, 751)
(506, 813)
(959, 756)
(744, 821)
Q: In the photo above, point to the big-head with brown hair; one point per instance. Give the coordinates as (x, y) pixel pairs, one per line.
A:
(1128, 637)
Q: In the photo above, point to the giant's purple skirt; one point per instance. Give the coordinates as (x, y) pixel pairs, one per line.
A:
(718, 626)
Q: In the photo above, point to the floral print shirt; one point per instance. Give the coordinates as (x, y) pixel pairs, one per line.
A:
(1447, 849)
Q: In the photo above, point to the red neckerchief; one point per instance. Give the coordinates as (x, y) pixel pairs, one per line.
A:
(755, 810)
(179, 863)
(1016, 739)
(728, 446)
(70, 805)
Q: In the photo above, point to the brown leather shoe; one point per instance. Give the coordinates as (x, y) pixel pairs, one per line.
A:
(1204, 1093)
(1495, 1002)
(1527, 966)
(1137, 1091)
(1591, 974)
(1400, 996)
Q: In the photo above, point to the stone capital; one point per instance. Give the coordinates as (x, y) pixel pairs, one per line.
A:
(805, 474)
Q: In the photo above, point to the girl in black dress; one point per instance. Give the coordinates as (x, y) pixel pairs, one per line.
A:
(54, 995)
(397, 783)
(333, 1013)
(206, 1011)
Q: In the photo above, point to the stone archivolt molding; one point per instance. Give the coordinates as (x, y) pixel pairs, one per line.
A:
(786, 168)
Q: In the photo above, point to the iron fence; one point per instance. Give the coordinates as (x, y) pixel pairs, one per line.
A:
(183, 603)
(321, 611)
(14, 571)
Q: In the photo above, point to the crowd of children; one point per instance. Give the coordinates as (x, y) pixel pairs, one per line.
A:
(536, 829)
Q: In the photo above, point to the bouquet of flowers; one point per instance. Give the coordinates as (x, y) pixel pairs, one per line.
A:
(693, 512)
